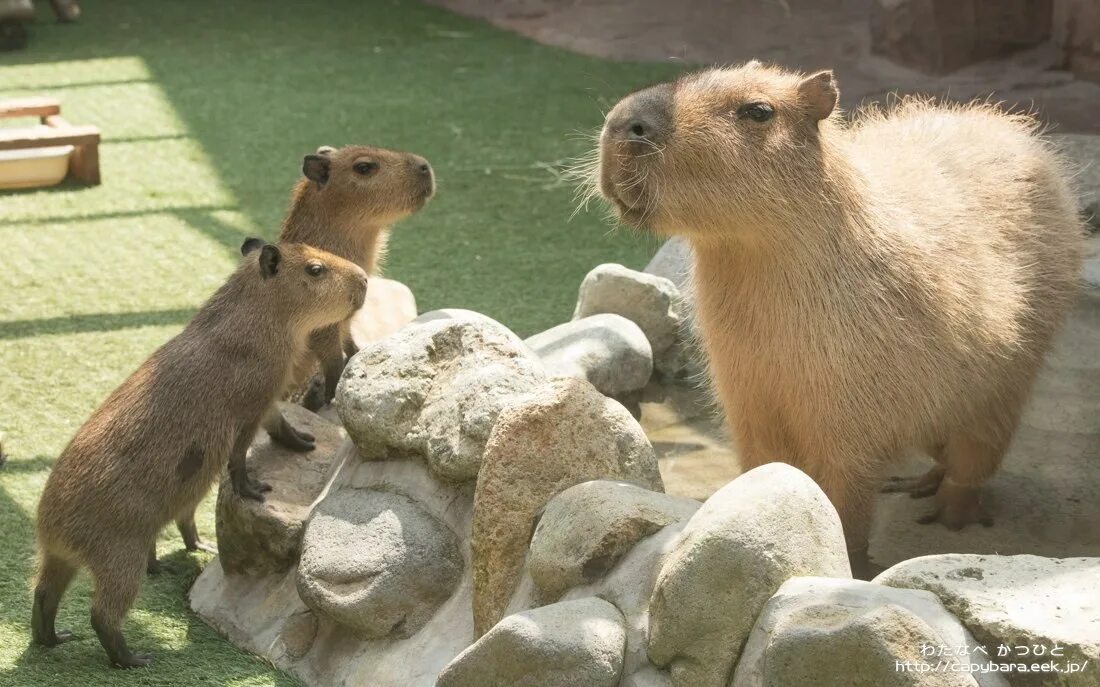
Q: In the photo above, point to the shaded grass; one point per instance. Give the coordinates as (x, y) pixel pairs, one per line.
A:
(206, 108)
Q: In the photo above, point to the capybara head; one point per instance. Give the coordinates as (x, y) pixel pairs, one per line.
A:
(714, 146)
(388, 185)
(312, 287)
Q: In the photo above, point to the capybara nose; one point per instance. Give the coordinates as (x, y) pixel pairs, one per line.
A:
(644, 116)
(425, 169)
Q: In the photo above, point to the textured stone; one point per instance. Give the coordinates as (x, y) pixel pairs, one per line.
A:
(565, 434)
(1083, 152)
(586, 529)
(389, 306)
(768, 525)
(1017, 601)
(829, 632)
(649, 301)
(939, 36)
(609, 351)
(568, 644)
(433, 390)
(259, 538)
(377, 563)
(673, 261)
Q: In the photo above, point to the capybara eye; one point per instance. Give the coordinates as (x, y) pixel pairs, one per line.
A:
(757, 112)
(315, 269)
(365, 168)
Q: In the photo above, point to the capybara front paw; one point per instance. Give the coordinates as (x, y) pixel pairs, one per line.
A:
(917, 487)
(201, 545)
(295, 440)
(956, 507)
(59, 637)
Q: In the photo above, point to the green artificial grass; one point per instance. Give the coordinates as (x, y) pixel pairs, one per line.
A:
(206, 109)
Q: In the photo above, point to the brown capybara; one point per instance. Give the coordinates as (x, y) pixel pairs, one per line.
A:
(861, 288)
(346, 203)
(150, 453)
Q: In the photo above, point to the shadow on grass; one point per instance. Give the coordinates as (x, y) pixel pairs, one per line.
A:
(93, 322)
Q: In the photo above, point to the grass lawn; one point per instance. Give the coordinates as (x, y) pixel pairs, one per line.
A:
(206, 109)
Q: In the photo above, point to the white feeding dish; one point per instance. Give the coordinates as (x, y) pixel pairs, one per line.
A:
(33, 167)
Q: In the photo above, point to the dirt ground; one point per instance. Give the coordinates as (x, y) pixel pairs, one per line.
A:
(805, 34)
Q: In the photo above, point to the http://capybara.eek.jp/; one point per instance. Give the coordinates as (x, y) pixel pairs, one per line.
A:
(152, 450)
(862, 287)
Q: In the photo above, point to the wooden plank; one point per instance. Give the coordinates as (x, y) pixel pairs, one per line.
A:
(18, 139)
(29, 107)
(84, 164)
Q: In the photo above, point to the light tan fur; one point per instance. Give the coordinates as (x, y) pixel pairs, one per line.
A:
(861, 288)
(151, 451)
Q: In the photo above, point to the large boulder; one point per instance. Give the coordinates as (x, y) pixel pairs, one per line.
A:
(586, 529)
(389, 306)
(433, 390)
(1018, 601)
(377, 563)
(651, 302)
(768, 525)
(263, 537)
(823, 632)
(673, 261)
(565, 434)
(683, 359)
(568, 644)
(939, 36)
(609, 351)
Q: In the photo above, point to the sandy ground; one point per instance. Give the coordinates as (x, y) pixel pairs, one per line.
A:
(806, 34)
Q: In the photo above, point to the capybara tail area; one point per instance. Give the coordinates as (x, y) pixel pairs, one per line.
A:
(51, 580)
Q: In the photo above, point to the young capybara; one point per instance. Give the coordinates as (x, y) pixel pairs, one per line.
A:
(152, 450)
(861, 288)
(346, 203)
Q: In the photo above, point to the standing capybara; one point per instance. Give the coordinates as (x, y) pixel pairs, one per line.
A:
(150, 453)
(346, 203)
(861, 288)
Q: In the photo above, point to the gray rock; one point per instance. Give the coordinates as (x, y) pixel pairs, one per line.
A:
(433, 390)
(673, 262)
(259, 538)
(565, 434)
(1083, 151)
(825, 632)
(1017, 601)
(649, 301)
(568, 644)
(587, 528)
(609, 351)
(768, 525)
(376, 563)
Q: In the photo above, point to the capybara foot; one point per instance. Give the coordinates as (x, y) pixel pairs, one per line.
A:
(293, 439)
(154, 567)
(957, 506)
(917, 487)
(131, 660)
(202, 544)
(59, 637)
(251, 488)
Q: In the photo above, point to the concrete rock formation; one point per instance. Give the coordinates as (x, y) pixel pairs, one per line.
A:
(609, 351)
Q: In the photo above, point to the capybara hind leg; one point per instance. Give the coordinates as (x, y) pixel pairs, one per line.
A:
(117, 582)
(853, 498)
(190, 534)
(54, 576)
(152, 565)
(921, 486)
(970, 461)
(284, 434)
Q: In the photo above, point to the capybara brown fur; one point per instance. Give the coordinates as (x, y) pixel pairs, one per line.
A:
(150, 452)
(863, 287)
(346, 203)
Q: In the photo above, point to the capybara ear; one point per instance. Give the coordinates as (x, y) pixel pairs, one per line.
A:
(250, 244)
(325, 150)
(270, 257)
(316, 167)
(819, 94)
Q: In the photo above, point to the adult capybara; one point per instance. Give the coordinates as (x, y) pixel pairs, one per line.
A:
(861, 288)
(149, 454)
